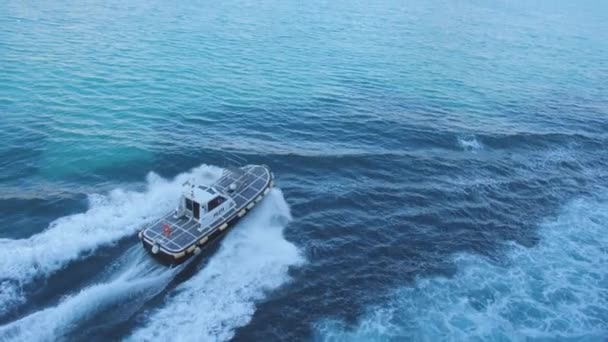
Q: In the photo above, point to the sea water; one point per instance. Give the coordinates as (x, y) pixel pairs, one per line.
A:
(441, 167)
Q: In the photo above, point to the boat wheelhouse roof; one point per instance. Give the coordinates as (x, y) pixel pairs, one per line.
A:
(199, 193)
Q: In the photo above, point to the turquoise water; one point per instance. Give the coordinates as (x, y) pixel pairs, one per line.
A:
(442, 168)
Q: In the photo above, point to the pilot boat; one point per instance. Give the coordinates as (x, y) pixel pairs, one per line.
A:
(205, 213)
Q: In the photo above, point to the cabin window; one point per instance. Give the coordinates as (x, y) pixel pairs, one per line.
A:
(214, 203)
(189, 204)
(197, 210)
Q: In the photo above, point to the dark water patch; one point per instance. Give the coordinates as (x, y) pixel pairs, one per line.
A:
(542, 141)
(22, 218)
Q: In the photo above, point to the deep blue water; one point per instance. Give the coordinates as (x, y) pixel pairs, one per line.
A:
(442, 168)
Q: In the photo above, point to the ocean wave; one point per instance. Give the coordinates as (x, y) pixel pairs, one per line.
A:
(542, 141)
(109, 218)
(252, 260)
(469, 143)
(554, 290)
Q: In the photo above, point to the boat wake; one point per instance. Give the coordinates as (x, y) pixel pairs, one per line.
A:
(554, 290)
(109, 218)
(254, 258)
(135, 279)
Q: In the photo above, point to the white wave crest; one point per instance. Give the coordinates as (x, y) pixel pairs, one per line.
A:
(109, 218)
(556, 290)
(10, 295)
(253, 259)
(470, 143)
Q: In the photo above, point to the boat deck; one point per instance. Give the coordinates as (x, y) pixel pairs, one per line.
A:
(251, 182)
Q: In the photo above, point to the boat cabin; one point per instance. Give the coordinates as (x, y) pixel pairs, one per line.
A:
(199, 201)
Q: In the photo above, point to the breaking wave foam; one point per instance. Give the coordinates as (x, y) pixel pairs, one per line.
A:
(109, 218)
(253, 259)
(469, 143)
(557, 289)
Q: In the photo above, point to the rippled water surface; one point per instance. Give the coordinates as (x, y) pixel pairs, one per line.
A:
(442, 169)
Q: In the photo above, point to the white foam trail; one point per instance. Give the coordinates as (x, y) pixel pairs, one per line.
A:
(109, 218)
(253, 259)
(556, 290)
(137, 280)
(10, 296)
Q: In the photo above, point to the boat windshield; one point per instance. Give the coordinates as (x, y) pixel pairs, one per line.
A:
(214, 203)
